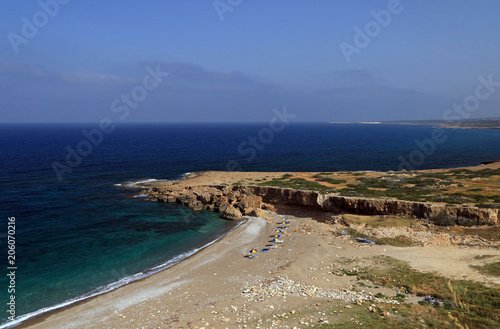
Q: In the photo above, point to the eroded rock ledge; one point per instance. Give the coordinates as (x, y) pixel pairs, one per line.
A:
(235, 201)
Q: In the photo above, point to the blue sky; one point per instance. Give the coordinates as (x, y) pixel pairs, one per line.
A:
(236, 60)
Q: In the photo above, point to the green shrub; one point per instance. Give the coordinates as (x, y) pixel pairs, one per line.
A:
(461, 171)
(443, 219)
(488, 205)
(358, 174)
(332, 180)
(462, 221)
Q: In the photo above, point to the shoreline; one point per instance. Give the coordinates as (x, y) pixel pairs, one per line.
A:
(212, 250)
(68, 304)
(213, 279)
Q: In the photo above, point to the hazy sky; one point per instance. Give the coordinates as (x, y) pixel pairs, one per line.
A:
(236, 60)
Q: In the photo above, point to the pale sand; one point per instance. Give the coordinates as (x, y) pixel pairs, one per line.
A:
(205, 289)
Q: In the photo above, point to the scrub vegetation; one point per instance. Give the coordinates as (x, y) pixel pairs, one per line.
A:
(478, 188)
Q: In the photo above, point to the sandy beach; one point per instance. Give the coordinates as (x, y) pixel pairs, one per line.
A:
(294, 284)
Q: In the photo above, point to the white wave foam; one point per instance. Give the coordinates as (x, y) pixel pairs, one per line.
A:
(139, 183)
(149, 180)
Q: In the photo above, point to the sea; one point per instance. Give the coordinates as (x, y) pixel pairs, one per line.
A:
(76, 223)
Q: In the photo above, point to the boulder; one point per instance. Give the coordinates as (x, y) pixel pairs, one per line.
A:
(268, 207)
(232, 213)
(248, 211)
(258, 213)
(250, 202)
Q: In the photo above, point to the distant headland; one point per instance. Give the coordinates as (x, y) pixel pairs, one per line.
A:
(487, 123)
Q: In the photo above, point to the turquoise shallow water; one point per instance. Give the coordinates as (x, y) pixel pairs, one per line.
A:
(88, 233)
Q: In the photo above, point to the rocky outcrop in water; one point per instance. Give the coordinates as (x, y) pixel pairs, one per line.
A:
(235, 201)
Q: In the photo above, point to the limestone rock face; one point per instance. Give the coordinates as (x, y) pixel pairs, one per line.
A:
(251, 202)
(230, 202)
(232, 213)
(233, 201)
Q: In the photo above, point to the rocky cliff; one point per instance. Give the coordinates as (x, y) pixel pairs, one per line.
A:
(235, 201)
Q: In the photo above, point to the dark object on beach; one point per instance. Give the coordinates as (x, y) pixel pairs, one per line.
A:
(430, 300)
(364, 241)
(264, 250)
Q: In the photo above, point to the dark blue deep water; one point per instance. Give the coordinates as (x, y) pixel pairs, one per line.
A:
(85, 232)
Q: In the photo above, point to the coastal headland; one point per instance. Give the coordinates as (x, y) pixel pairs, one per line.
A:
(345, 249)
(456, 123)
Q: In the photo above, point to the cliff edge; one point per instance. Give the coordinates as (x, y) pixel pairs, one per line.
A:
(235, 201)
